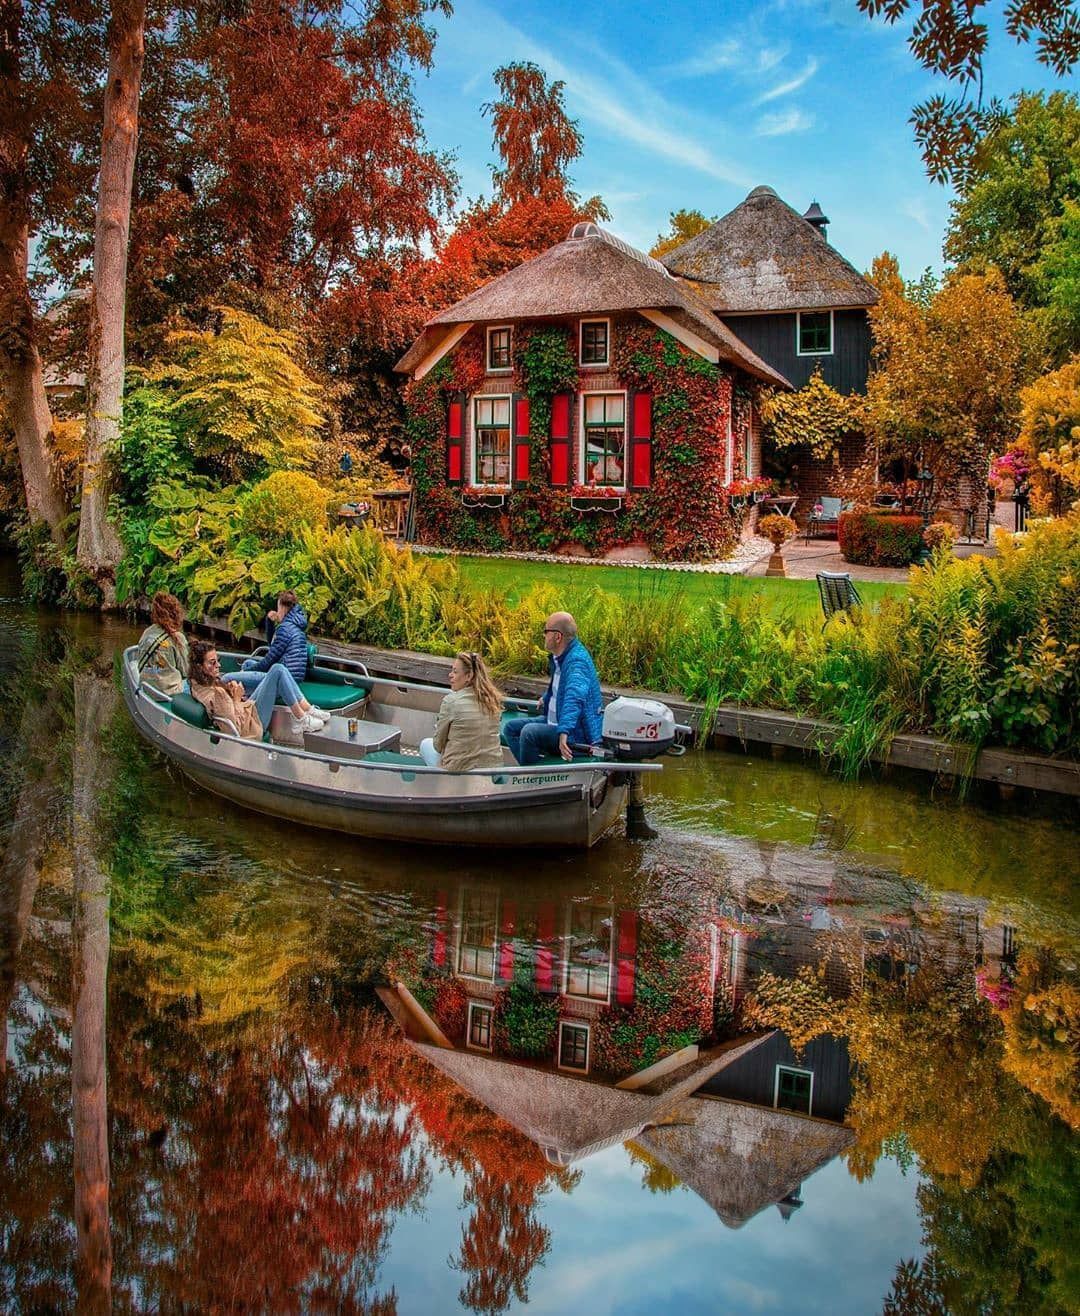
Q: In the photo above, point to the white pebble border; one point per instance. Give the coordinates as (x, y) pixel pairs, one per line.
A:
(747, 552)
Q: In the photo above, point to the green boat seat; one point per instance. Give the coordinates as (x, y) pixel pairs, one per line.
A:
(332, 696)
(392, 756)
(188, 707)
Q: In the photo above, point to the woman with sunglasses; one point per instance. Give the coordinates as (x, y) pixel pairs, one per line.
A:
(467, 726)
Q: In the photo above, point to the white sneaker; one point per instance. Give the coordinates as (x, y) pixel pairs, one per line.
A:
(320, 713)
(306, 723)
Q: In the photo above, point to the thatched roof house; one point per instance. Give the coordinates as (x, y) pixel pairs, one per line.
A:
(570, 1118)
(764, 256)
(742, 1158)
(590, 273)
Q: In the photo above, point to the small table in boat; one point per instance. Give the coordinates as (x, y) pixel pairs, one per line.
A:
(334, 739)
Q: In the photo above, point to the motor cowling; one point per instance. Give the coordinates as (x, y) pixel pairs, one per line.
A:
(636, 729)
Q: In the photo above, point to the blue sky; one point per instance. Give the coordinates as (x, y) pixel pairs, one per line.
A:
(691, 105)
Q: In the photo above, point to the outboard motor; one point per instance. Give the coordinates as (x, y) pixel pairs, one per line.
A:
(637, 729)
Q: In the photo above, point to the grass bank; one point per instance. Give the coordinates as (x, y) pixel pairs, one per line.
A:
(512, 578)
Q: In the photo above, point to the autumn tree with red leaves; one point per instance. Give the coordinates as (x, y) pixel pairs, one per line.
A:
(534, 204)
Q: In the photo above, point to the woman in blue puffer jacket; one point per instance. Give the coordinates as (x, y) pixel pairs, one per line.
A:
(289, 650)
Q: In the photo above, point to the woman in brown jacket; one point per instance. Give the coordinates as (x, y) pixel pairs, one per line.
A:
(222, 698)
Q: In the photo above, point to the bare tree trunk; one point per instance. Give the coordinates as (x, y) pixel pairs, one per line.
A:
(95, 700)
(20, 362)
(99, 547)
(24, 856)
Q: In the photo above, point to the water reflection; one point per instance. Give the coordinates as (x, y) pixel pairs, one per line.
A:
(240, 1058)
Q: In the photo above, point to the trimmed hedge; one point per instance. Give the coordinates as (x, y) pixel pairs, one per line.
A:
(878, 539)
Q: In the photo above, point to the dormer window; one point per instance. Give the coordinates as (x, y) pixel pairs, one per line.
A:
(498, 348)
(594, 342)
(815, 333)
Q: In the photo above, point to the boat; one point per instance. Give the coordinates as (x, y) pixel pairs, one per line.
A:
(363, 774)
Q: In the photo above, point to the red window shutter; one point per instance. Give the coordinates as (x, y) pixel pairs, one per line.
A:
(438, 942)
(455, 440)
(627, 957)
(641, 441)
(545, 958)
(521, 439)
(560, 439)
(506, 947)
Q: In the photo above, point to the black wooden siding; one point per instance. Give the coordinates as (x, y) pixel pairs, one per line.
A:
(753, 1078)
(772, 337)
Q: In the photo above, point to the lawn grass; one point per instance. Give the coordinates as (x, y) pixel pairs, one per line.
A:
(513, 577)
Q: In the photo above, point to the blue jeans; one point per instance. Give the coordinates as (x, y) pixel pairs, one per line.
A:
(531, 738)
(265, 689)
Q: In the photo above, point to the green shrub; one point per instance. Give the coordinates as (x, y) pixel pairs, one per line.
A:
(874, 539)
(525, 1022)
(277, 507)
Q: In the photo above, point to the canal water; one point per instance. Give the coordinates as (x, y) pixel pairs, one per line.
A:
(216, 1097)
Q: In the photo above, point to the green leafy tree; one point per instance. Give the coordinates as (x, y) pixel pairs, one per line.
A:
(816, 417)
(685, 224)
(1016, 207)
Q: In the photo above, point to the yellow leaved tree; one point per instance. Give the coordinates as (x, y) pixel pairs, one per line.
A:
(242, 398)
(816, 416)
(1050, 431)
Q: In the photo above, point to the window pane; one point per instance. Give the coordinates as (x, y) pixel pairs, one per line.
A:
(574, 1047)
(476, 956)
(793, 1090)
(492, 456)
(589, 953)
(500, 411)
(499, 349)
(594, 343)
(604, 447)
(480, 1026)
(483, 411)
(613, 411)
(594, 409)
(815, 332)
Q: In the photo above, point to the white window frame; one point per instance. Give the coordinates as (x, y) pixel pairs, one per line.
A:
(460, 939)
(798, 333)
(603, 393)
(474, 459)
(489, 1006)
(488, 367)
(574, 1023)
(793, 1069)
(729, 455)
(605, 1000)
(593, 365)
(748, 455)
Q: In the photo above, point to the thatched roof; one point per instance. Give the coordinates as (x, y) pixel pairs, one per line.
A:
(570, 1118)
(742, 1158)
(764, 256)
(591, 273)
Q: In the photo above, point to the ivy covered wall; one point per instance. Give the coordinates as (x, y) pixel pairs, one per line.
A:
(684, 514)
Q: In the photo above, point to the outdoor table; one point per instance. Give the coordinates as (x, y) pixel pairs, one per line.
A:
(783, 504)
(389, 511)
(334, 739)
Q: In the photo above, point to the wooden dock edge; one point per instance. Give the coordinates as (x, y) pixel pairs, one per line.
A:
(731, 723)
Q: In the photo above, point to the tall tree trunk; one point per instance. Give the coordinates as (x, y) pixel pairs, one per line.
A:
(95, 700)
(99, 547)
(20, 361)
(26, 848)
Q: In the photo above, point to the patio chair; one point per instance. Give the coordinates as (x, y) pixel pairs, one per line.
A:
(837, 591)
(826, 522)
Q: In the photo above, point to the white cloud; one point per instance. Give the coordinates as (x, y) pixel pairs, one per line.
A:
(783, 122)
(732, 55)
(785, 88)
(915, 208)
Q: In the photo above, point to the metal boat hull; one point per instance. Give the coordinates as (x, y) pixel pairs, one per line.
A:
(518, 807)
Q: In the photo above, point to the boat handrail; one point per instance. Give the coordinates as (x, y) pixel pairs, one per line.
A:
(321, 659)
(292, 751)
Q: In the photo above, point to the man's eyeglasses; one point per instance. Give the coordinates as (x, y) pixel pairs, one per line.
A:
(552, 630)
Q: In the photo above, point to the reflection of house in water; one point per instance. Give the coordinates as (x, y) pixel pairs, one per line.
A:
(743, 1122)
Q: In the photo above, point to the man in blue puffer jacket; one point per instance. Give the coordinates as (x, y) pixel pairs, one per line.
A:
(570, 709)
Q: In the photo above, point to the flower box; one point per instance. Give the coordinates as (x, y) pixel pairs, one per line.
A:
(484, 496)
(596, 500)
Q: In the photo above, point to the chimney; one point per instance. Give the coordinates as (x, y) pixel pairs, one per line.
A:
(816, 218)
